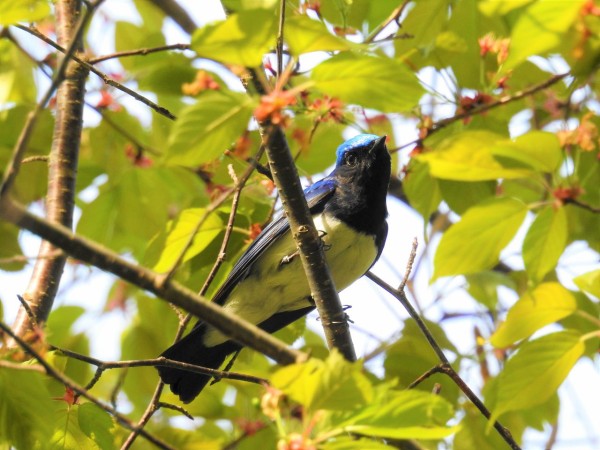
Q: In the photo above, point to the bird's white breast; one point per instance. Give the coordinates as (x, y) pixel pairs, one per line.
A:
(275, 287)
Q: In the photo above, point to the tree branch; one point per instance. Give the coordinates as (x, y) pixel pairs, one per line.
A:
(105, 78)
(62, 169)
(61, 378)
(445, 366)
(94, 254)
(322, 287)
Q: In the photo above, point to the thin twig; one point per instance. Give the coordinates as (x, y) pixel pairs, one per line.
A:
(35, 158)
(574, 201)
(105, 78)
(409, 265)
(139, 52)
(61, 378)
(157, 362)
(445, 365)
(22, 142)
(393, 17)
(280, 34)
(484, 108)
(93, 253)
(153, 406)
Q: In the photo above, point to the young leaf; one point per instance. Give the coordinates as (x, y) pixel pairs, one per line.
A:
(539, 29)
(96, 424)
(180, 232)
(380, 83)
(304, 35)
(25, 409)
(207, 128)
(468, 157)
(474, 243)
(544, 243)
(422, 189)
(538, 149)
(334, 384)
(404, 415)
(589, 282)
(67, 431)
(536, 371)
(243, 38)
(548, 303)
(23, 11)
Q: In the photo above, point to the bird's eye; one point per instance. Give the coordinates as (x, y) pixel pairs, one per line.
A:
(351, 159)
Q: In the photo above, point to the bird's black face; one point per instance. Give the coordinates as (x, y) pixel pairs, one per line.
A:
(367, 164)
(362, 175)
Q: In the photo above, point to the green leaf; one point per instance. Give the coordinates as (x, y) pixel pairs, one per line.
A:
(96, 424)
(404, 415)
(10, 248)
(539, 150)
(203, 131)
(483, 286)
(23, 11)
(467, 156)
(67, 432)
(304, 35)
(374, 82)
(25, 408)
(546, 304)
(589, 282)
(460, 196)
(424, 22)
(535, 372)
(539, 29)
(474, 243)
(545, 242)
(134, 206)
(352, 443)
(422, 189)
(179, 233)
(243, 38)
(334, 384)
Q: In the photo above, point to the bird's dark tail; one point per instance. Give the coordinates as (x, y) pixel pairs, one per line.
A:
(191, 350)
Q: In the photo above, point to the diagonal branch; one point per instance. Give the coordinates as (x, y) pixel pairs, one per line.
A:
(60, 377)
(94, 254)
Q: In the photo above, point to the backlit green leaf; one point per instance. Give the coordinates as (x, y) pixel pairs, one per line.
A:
(422, 189)
(546, 304)
(474, 243)
(404, 415)
(304, 35)
(180, 232)
(589, 282)
(468, 157)
(545, 242)
(25, 408)
(536, 371)
(334, 384)
(22, 11)
(243, 38)
(206, 129)
(96, 424)
(540, 29)
(380, 83)
(538, 149)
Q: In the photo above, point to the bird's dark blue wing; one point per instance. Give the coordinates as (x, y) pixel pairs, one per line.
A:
(316, 196)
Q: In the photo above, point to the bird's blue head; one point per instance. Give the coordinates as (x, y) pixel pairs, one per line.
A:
(360, 142)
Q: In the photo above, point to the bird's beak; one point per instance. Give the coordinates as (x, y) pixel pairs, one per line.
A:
(379, 144)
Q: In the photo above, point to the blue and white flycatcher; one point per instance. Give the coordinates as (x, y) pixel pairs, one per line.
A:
(268, 287)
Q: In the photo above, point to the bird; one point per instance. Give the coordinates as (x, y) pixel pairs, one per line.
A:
(267, 286)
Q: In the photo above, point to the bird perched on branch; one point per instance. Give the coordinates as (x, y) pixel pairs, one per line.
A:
(268, 287)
